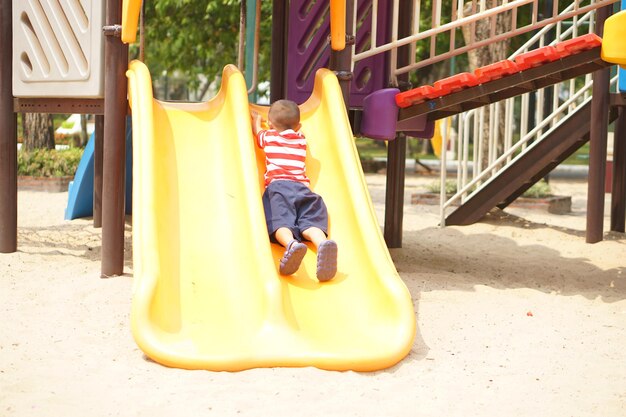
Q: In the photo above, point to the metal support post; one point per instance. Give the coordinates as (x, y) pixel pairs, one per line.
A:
(8, 136)
(396, 151)
(114, 154)
(278, 64)
(341, 61)
(597, 142)
(394, 196)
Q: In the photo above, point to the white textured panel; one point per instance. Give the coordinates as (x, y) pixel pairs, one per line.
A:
(58, 48)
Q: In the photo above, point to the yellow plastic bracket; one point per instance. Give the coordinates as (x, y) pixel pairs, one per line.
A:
(130, 20)
(613, 45)
(337, 24)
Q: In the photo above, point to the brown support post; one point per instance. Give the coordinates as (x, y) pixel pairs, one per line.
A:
(618, 190)
(8, 136)
(278, 63)
(97, 171)
(396, 151)
(114, 153)
(597, 142)
(394, 195)
(341, 61)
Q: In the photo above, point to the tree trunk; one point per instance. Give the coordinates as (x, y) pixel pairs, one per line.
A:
(486, 55)
(84, 136)
(38, 132)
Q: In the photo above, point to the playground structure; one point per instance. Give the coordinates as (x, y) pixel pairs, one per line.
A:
(398, 41)
(555, 119)
(374, 40)
(171, 319)
(61, 63)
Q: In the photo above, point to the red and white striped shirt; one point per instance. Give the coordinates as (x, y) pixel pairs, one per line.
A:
(285, 153)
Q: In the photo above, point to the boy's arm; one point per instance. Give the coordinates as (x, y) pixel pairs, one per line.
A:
(257, 129)
(257, 121)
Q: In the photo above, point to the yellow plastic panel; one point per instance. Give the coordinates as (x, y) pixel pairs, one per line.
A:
(207, 290)
(130, 19)
(613, 44)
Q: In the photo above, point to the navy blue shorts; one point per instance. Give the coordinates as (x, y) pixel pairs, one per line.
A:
(293, 205)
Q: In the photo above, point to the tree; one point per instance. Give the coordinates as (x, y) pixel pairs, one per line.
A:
(84, 136)
(197, 39)
(38, 131)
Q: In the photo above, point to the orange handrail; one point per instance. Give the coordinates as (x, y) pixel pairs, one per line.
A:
(337, 24)
(130, 20)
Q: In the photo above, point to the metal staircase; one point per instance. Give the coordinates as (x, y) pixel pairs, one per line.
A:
(520, 169)
(528, 168)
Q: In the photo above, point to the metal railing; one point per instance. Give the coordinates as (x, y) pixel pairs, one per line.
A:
(521, 16)
(521, 128)
(485, 140)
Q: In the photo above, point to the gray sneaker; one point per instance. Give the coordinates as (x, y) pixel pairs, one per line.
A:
(326, 260)
(290, 262)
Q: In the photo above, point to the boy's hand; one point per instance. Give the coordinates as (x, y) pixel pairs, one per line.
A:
(257, 121)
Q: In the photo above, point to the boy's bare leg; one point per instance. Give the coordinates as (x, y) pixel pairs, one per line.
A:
(315, 235)
(326, 253)
(290, 262)
(284, 236)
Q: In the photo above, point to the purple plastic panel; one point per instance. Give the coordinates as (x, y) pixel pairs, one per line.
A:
(380, 114)
(309, 49)
(380, 118)
(370, 74)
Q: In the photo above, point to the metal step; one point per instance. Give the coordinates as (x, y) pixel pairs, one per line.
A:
(520, 175)
(509, 86)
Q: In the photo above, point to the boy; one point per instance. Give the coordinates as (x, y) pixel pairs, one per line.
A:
(292, 210)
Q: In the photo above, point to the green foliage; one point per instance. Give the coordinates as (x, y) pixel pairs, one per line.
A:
(370, 148)
(48, 163)
(197, 39)
(441, 45)
(538, 190)
(67, 125)
(435, 187)
(194, 40)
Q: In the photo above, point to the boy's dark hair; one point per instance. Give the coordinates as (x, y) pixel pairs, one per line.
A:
(284, 113)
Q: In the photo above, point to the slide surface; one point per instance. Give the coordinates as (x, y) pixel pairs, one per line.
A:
(207, 293)
(80, 190)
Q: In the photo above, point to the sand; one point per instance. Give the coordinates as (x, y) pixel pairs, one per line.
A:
(517, 316)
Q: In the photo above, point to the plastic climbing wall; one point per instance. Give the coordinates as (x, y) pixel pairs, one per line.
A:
(309, 49)
(58, 48)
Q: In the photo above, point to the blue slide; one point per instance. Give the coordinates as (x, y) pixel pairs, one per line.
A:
(80, 196)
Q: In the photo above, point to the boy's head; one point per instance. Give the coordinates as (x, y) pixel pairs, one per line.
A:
(284, 114)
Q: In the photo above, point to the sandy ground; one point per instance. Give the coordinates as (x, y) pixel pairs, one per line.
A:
(517, 316)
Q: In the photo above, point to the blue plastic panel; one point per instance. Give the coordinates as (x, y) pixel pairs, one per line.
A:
(622, 73)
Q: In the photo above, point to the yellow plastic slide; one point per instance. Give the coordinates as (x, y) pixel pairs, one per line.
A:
(613, 45)
(207, 292)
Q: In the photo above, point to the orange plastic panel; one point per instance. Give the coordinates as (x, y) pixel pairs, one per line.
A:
(130, 20)
(415, 96)
(455, 83)
(537, 57)
(496, 70)
(578, 44)
(337, 24)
